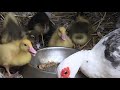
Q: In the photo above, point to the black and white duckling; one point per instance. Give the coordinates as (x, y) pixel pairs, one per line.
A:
(103, 61)
(80, 30)
(38, 27)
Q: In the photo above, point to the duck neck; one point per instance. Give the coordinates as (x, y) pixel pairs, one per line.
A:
(79, 58)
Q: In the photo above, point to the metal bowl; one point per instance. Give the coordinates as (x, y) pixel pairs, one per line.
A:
(43, 56)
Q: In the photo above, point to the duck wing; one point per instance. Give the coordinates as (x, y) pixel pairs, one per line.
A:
(111, 44)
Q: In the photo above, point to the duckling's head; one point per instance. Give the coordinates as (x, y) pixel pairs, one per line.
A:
(62, 33)
(34, 37)
(26, 45)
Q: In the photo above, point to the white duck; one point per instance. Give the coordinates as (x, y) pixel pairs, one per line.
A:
(103, 61)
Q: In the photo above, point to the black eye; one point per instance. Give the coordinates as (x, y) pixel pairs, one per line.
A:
(32, 36)
(25, 44)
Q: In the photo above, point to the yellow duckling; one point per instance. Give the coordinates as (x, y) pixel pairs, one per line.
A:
(60, 38)
(16, 53)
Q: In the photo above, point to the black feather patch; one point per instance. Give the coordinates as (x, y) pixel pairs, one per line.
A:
(112, 52)
(40, 18)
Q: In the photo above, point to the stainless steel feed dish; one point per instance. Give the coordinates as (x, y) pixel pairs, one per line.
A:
(44, 55)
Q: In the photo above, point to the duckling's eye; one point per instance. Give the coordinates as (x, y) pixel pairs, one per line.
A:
(25, 44)
(32, 36)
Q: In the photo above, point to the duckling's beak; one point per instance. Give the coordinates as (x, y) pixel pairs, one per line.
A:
(64, 36)
(32, 51)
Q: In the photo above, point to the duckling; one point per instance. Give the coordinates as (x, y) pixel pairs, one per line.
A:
(16, 53)
(40, 25)
(11, 30)
(34, 38)
(80, 30)
(14, 50)
(60, 38)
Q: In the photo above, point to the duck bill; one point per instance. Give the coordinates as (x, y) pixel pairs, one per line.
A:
(32, 51)
(64, 37)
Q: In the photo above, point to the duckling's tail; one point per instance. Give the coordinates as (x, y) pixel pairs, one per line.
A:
(80, 38)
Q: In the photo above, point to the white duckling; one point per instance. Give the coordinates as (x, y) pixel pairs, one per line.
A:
(103, 61)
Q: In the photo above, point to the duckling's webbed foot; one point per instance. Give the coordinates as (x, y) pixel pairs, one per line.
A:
(16, 75)
(9, 75)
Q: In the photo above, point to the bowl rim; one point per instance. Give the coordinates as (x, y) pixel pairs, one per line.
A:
(57, 47)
